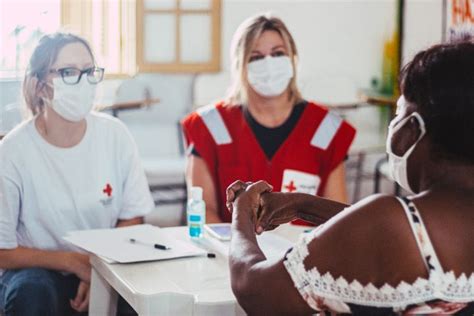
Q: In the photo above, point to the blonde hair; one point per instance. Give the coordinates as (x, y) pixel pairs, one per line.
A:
(244, 39)
(40, 63)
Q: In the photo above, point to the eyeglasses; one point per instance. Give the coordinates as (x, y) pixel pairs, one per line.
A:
(72, 76)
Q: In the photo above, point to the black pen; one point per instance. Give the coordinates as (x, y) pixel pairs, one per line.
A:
(156, 246)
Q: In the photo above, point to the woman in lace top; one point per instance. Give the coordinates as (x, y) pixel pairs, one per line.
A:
(382, 255)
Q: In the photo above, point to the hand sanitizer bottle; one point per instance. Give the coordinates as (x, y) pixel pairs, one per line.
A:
(196, 213)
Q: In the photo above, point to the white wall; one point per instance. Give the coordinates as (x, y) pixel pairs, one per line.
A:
(340, 41)
(337, 38)
(423, 26)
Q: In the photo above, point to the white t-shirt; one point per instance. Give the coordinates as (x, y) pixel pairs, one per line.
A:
(47, 191)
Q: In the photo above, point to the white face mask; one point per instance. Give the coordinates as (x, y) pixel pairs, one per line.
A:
(73, 102)
(398, 165)
(270, 76)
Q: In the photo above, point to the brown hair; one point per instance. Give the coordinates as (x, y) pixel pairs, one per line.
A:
(41, 60)
(243, 41)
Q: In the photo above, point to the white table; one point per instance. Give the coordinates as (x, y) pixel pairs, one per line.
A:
(186, 286)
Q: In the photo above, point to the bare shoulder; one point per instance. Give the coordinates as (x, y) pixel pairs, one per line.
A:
(365, 217)
(367, 242)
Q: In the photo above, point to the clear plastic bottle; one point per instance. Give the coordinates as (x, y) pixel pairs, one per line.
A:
(196, 213)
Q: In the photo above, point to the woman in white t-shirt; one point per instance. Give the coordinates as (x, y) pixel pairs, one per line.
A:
(65, 169)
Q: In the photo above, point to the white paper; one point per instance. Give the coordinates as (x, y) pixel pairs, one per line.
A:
(272, 245)
(114, 244)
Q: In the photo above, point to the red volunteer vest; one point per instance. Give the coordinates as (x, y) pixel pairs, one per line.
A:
(220, 134)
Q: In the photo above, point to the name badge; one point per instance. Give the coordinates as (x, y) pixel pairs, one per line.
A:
(298, 181)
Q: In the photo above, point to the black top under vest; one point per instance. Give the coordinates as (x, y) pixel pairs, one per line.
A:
(271, 138)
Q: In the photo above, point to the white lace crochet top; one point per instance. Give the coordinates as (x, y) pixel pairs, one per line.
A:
(441, 292)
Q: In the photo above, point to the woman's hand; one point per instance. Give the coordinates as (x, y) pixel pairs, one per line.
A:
(275, 209)
(247, 203)
(80, 266)
(81, 302)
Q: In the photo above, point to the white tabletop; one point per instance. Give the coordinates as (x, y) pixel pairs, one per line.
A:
(186, 286)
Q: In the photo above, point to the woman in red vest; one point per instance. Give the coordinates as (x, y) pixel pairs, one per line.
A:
(265, 129)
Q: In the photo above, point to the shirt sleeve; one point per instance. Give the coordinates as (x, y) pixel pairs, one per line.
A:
(9, 212)
(137, 199)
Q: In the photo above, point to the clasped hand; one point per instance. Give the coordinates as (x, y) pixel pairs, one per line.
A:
(266, 210)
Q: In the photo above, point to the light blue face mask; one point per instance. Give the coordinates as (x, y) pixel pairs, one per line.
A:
(398, 164)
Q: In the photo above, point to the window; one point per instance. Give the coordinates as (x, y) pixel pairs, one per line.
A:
(125, 35)
(178, 35)
(109, 26)
(22, 23)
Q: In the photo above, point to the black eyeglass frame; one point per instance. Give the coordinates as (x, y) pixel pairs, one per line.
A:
(87, 71)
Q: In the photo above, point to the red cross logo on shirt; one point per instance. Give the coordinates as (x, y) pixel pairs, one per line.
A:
(291, 187)
(107, 190)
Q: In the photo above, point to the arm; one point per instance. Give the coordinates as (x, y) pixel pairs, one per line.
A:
(314, 209)
(197, 174)
(260, 286)
(130, 222)
(279, 208)
(13, 256)
(76, 263)
(21, 258)
(336, 185)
